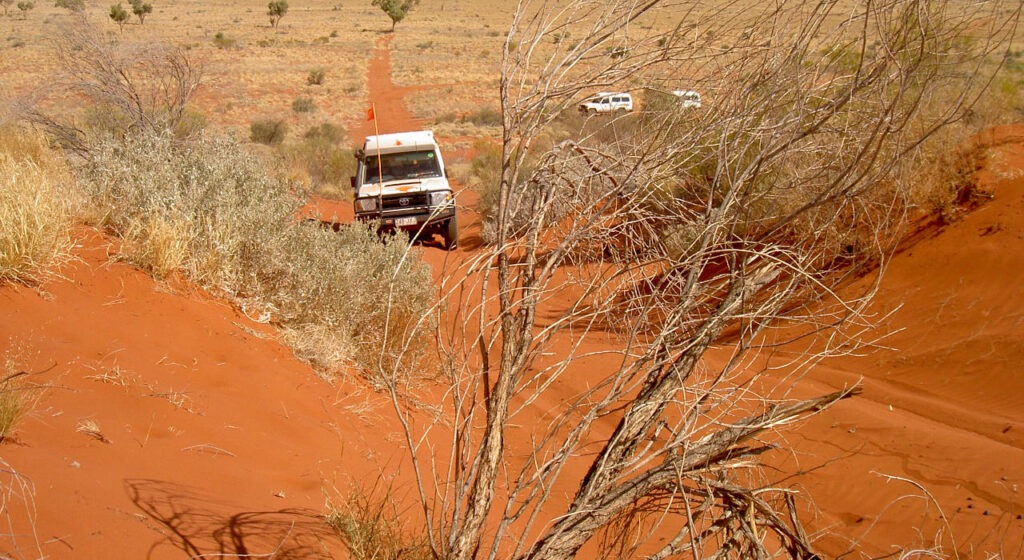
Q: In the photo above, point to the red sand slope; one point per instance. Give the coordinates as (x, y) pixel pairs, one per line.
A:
(943, 406)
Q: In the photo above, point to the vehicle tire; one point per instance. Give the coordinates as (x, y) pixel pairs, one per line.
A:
(451, 234)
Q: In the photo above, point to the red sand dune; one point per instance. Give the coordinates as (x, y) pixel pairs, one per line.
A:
(214, 440)
(944, 405)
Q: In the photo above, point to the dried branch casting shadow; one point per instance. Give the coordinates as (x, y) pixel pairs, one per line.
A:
(203, 527)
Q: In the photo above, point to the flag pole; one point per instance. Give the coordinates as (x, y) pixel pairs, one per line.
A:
(380, 167)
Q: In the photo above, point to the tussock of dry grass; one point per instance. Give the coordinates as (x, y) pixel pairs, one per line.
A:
(17, 396)
(369, 525)
(12, 408)
(36, 201)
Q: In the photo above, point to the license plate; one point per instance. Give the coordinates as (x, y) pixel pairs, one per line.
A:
(403, 222)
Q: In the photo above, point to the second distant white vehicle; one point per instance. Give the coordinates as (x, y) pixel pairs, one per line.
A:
(687, 97)
(607, 102)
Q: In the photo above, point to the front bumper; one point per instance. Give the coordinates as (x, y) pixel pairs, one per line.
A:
(413, 220)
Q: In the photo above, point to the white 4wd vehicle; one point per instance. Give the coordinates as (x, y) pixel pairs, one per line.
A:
(687, 98)
(412, 192)
(607, 102)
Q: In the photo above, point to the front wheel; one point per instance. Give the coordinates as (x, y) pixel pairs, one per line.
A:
(451, 234)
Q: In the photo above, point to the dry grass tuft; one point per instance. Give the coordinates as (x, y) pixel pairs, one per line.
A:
(17, 396)
(14, 404)
(91, 429)
(370, 526)
(17, 503)
(36, 203)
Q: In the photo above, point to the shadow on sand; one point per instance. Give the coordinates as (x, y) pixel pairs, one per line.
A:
(200, 526)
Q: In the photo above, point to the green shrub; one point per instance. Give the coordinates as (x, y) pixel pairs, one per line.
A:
(327, 131)
(485, 116)
(105, 120)
(315, 77)
(268, 131)
(208, 209)
(191, 123)
(119, 15)
(485, 173)
(70, 5)
(222, 41)
(303, 105)
(321, 161)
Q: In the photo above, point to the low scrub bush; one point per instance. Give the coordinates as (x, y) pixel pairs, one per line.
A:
(268, 131)
(208, 209)
(320, 160)
(485, 178)
(36, 204)
(191, 123)
(315, 77)
(485, 116)
(222, 41)
(303, 105)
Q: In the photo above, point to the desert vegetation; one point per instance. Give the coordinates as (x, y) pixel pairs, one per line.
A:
(200, 205)
(276, 10)
(396, 10)
(682, 246)
(36, 209)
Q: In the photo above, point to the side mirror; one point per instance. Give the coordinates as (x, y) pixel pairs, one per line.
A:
(352, 182)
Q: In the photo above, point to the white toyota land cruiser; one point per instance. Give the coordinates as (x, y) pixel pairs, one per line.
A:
(412, 192)
(607, 102)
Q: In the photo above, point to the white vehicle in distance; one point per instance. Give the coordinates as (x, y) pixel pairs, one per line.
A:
(607, 102)
(402, 183)
(687, 98)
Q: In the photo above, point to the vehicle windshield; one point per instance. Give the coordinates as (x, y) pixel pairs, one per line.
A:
(402, 166)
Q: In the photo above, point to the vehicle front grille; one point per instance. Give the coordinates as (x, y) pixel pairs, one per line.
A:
(405, 201)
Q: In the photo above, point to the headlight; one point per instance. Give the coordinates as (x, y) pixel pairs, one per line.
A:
(366, 204)
(440, 198)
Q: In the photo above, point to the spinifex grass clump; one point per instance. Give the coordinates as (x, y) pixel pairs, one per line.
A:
(208, 209)
(36, 198)
(17, 396)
